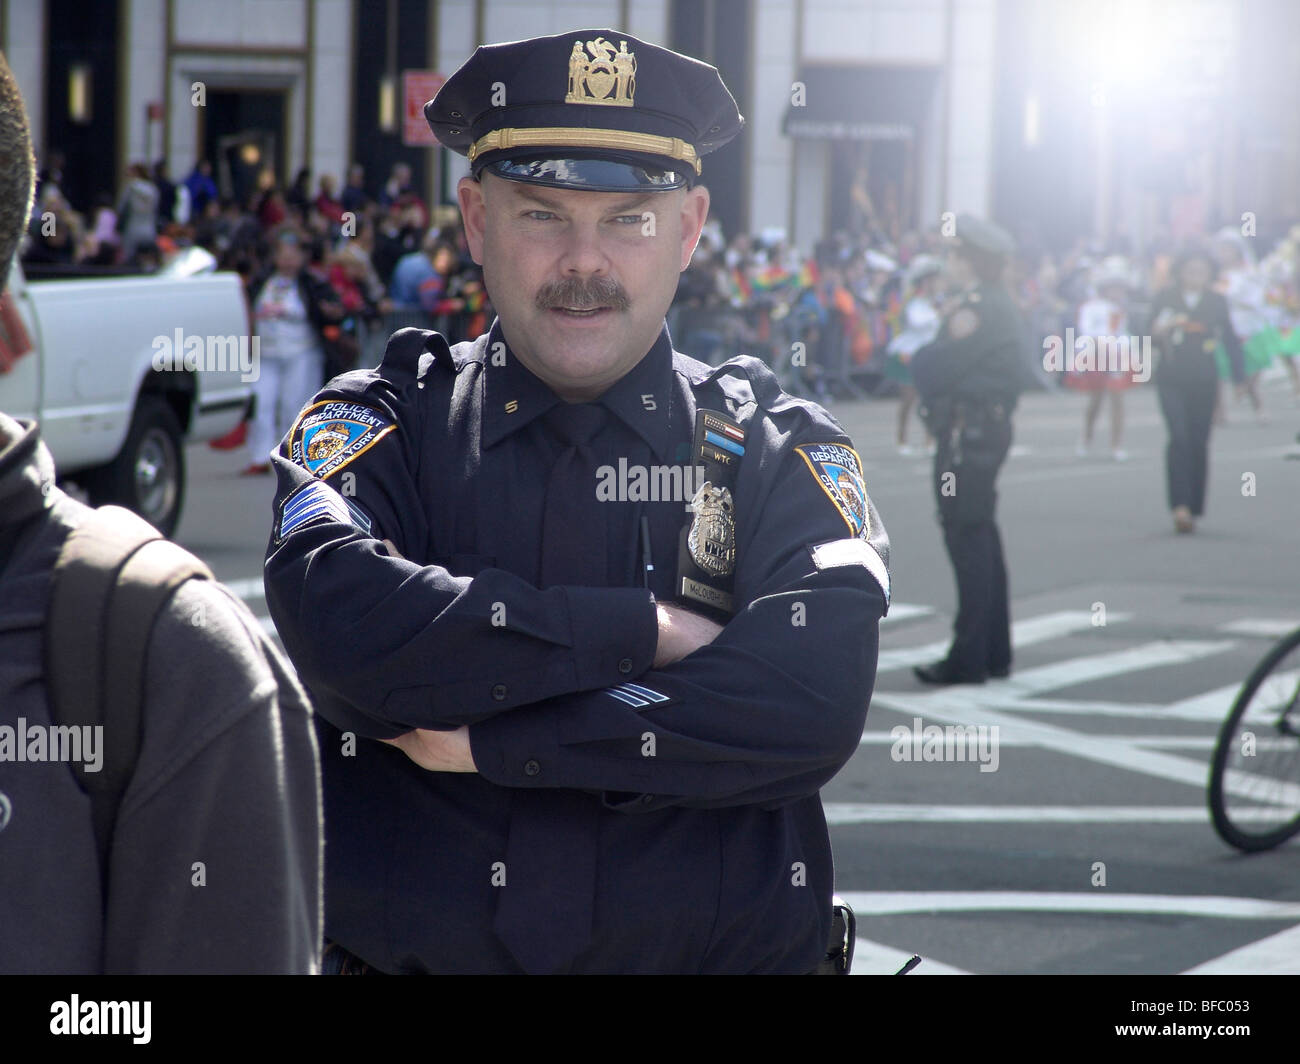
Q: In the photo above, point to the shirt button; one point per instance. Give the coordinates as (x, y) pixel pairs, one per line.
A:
(625, 666)
(531, 768)
(499, 692)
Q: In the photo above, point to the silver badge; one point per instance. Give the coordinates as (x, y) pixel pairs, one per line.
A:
(712, 538)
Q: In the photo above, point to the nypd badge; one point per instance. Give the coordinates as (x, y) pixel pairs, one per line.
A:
(712, 538)
(706, 557)
(332, 433)
(838, 470)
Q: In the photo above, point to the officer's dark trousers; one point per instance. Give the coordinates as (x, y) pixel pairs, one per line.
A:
(982, 631)
(1187, 402)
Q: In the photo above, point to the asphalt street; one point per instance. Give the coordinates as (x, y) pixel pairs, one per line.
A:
(1089, 848)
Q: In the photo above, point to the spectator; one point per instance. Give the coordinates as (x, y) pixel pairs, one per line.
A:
(137, 213)
(103, 244)
(355, 198)
(299, 195)
(423, 279)
(291, 309)
(166, 192)
(329, 206)
(203, 190)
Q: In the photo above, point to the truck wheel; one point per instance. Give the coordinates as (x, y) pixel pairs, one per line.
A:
(148, 474)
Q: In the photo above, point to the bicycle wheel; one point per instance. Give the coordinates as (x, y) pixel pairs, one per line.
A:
(1255, 779)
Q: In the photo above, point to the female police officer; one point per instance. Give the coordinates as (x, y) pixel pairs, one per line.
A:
(968, 379)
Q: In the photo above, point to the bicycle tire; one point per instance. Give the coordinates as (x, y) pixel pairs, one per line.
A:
(1237, 832)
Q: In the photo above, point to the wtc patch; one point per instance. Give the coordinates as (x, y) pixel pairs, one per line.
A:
(330, 434)
(838, 470)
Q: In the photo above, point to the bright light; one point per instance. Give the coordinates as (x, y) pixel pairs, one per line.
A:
(1031, 120)
(388, 102)
(79, 83)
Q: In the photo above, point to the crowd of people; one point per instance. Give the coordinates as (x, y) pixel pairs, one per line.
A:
(844, 320)
(328, 278)
(850, 316)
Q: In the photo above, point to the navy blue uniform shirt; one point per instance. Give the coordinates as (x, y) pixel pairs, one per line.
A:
(712, 855)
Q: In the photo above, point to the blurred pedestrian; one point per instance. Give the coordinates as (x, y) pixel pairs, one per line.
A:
(291, 308)
(137, 213)
(920, 325)
(1102, 324)
(1189, 320)
(1245, 289)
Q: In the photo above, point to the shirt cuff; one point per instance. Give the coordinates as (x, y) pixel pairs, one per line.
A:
(615, 633)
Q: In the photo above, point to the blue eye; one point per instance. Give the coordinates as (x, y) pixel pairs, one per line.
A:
(547, 215)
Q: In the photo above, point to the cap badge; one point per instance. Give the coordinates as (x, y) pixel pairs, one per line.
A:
(608, 77)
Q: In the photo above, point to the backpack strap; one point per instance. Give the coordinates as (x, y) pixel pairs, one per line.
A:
(114, 575)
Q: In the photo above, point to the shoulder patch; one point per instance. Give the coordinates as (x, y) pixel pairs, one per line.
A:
(317, 501)
(330, 434)
(838, 471)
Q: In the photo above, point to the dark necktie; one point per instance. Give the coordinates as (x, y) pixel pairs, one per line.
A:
(544, 915)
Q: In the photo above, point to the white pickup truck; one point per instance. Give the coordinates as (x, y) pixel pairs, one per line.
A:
(122, 371)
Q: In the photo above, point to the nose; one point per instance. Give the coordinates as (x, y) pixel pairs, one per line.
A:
(583, 254)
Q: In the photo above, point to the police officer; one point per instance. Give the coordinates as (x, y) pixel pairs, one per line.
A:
(969, 379)
(589, 622)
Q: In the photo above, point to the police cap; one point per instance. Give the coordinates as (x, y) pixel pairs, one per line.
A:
(590, 109)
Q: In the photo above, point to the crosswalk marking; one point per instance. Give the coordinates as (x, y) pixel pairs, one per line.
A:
(905, 611)
(1085, 669)
(1024, 633)
(894, 903)
(886, 813)
(1269, 627)
(1275, 955)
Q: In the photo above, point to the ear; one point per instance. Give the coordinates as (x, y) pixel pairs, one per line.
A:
(469, 193)
(695, 210)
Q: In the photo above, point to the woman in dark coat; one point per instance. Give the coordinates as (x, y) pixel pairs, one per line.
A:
(1188, 321)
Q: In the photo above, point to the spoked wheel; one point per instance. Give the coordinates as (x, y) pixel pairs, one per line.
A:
(1255, 779)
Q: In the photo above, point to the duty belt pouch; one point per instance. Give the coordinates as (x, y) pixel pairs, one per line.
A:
(706, 555)
(839, 950)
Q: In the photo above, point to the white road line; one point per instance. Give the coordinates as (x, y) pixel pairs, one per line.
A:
(1085, 669)
(875, 958)
(884, 813)
(1079, 708)
(1171, 742)
(903, 611)
(960, 709)
(1040, 629)
(893, 903)
(1275, 955)
(1214, 705)
(1265, 626)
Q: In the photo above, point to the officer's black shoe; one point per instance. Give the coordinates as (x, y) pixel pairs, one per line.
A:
(941, 673)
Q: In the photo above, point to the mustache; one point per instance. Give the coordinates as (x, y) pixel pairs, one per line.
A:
(577, 294)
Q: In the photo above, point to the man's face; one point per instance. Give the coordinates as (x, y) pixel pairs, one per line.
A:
(581, 280)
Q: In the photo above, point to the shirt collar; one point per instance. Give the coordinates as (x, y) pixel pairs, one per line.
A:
(642, 399)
